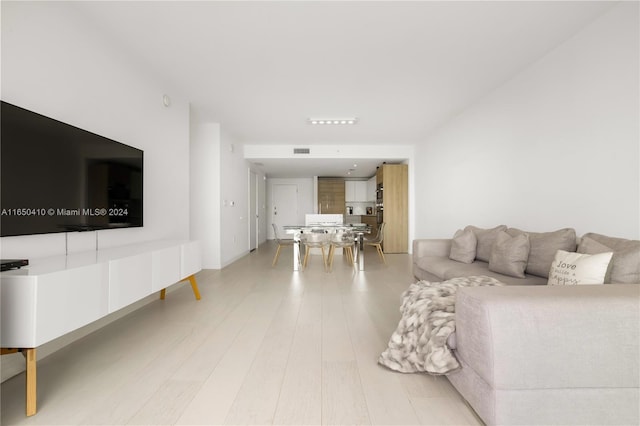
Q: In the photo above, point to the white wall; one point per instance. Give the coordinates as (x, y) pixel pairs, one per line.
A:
(219, 194)
(557, 146)
(55, 63)
(204, 208)
(234, 190)
(344, 150)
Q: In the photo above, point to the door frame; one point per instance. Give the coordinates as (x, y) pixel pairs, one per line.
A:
(254, 211)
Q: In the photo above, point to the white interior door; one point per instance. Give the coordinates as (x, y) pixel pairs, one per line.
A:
(285, 206)
(253, 211)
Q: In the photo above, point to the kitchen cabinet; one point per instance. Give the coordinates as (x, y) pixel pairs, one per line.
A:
(355, 190)
(331, 196)
(395, 202)
(371, 189)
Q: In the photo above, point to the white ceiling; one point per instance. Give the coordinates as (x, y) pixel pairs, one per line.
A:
(402, 68)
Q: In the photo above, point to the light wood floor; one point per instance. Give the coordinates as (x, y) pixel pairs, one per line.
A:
(264, 346)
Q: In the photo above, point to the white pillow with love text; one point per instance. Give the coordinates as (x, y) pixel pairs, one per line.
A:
(570, 268)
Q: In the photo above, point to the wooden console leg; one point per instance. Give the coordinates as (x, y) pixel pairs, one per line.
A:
(30, 361)
(30, 354)
(194, 286)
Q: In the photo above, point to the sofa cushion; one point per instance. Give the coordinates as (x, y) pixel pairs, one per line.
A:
(445, 269)
(486, 238)
(482, 268)
(577, 268)
(509, 254)
(625, 263)
(543, 248)
(463, 246)
(437, 265)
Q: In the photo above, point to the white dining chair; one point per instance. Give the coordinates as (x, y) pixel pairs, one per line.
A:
(377, 242)
(314, 239)
(341, 239)
(281, 243)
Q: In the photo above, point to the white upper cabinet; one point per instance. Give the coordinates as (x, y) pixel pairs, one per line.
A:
(371, 189)
(349, 190)
(355, 190)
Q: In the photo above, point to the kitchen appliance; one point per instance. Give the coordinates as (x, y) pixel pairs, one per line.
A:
(379, 204)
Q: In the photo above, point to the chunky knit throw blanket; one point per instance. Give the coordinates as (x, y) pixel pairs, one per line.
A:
(419, 344)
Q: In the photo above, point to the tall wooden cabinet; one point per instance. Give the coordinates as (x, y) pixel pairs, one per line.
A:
(395, 200)
(331, 197)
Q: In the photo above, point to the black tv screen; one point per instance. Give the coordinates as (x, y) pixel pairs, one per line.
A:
(58, 178)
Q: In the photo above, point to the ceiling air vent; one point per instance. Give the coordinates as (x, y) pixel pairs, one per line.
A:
(301, 151)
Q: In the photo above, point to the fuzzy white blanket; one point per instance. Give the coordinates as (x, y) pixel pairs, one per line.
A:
(419, 344)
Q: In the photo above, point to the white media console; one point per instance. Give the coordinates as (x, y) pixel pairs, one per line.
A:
(56, 295)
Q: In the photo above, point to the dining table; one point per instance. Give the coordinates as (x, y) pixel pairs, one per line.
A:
(359, 229)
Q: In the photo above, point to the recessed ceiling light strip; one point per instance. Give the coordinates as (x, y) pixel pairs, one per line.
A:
(333, 121)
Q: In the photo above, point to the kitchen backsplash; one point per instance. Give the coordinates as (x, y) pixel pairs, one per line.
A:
(359, 208)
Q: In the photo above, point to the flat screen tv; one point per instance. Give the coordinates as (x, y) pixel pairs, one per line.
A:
(58, 178)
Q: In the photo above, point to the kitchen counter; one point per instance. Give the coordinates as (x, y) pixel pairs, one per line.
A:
(369, 219)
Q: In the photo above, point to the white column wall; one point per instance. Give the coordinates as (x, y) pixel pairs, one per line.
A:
(234, 234)
(204, 208)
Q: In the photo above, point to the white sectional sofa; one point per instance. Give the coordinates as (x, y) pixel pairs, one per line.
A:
(533, 353)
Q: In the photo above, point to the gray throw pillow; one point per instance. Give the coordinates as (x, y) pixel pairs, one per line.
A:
(463, 246)
(625, 263)
(543, 248)
(486, 238)
(590, 246)
(509, 254)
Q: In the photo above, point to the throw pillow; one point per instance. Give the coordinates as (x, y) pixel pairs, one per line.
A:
(544, 246)
(625, 263)
(577, 268)
(463, 246)
(486, 238)
(509, 254)
(590, 246)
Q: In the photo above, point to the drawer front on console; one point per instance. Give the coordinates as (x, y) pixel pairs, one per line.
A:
(18, 312)
(37, 309)
(166, 268)
(129, 280)
(191, 259)
(68, 300)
